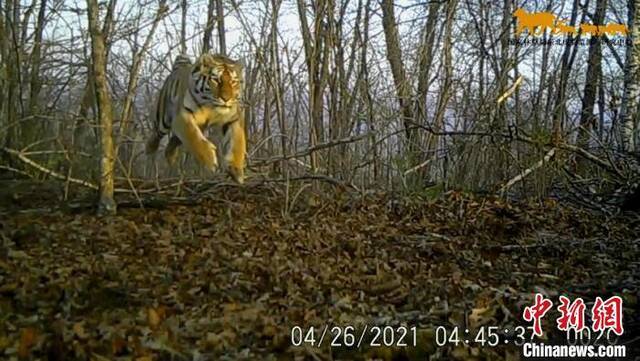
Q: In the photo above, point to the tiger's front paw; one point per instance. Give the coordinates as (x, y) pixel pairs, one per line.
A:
(209, 158)
(236, 173)
(235, 169)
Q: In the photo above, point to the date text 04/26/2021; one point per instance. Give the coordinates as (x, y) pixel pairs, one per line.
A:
(352, 336)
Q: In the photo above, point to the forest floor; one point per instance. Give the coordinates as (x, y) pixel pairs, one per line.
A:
(229, 273)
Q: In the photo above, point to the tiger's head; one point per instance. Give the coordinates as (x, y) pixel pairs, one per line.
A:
(223, 78)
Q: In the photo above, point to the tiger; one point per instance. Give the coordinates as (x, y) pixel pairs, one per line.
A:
(195, 96)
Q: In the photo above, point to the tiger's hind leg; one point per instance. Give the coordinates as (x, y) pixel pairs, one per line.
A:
(188, 132)
(235, 157)
(171, 151)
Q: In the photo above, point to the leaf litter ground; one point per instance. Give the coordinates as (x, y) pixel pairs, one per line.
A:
(229, 276)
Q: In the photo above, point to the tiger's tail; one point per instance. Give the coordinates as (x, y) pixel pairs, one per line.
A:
(157, 134)
(153, 144)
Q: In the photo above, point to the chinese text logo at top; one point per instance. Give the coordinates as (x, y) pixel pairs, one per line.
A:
(606, 315)
(537, 23)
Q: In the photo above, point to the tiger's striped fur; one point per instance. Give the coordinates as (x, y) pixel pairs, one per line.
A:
(195, 96)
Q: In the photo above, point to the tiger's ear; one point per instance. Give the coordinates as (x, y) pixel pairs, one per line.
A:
(239, 65)
(205, 61)
(182, 59)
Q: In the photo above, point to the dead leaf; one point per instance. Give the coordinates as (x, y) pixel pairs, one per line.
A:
(78, 329)
(481, 316)
(155, 316)
(28, 338)
(118, 345)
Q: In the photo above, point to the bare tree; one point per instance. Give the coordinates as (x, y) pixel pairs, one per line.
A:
(506, 63)
(88, 99)
(446, 89)
(317, 59)
(425, 54)
(183, 27)
(11, 68)
(138, 56)
(394, 56)
(3, 59)
(208, 30)
(274, 71)
(106, 202)
(221, 29)
(565, 70)
(36, 59)
(630, 102)
(587, 117)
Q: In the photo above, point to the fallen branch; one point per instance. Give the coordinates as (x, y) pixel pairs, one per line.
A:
(580, 151)
(607, 165)
(421, 165)
(313, 149)
(46, 171)
(319, 177)
(17, 171)
(137, 192)
(57, 175)
(133, 188)
(529, 170)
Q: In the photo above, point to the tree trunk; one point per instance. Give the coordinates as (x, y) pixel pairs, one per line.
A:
(106, 203)
(276, 76)
(368, 99)
(138, 57)
(208, 30)
(221, 30)
(394, 56)
(3, 61)
(629, 111)
(425, 61)
(88, 98)
(12, 73)
(183, 27)
(565, 70)
(446, 91)
(505, 62)
(4, 77)
(540, 111)
(36, 83)
(317, 59)
(587, 118)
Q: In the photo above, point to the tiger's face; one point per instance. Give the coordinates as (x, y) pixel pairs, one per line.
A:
(224, 78)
